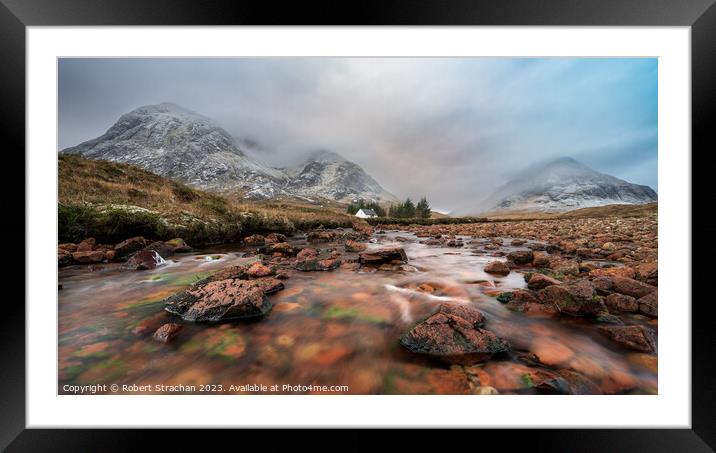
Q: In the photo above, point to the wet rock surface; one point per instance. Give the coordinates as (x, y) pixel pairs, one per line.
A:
(454, 334)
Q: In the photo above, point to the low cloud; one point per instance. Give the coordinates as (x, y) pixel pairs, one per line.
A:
(448, 128)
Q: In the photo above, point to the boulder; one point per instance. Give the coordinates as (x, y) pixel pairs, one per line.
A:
(603, 285)
(649, 304)
(275, 238)
(87, 245)
(648, 273)
(540, 281)
(638, 338)
(383, 256)
(68, 247)
(258, 270)
(314, 263)
(353, 246)
(632, 287)
(622, 302)
(284, 248)
(497, 267)
(254, 240)
(320, 236)
(167, 332)
(129, 246)
(64, 257)
(143, 260)
(219, 300)
(454, 334)
(540, 259)
(89, 256)
(576, 299)
(521, 256)
(162, 248)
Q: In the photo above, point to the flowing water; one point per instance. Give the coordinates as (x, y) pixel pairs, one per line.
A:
(338, 328)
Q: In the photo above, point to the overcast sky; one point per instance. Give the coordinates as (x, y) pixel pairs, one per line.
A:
(449, 128)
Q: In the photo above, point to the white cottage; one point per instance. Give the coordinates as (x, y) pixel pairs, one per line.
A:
(366, 213)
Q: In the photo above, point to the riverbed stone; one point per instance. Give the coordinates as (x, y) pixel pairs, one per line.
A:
(638, 338)
(577, 298)
(497, 267)
(383, 256)
(129, 246)
(167, 332)
(454, 334)
(224, 299)
(89, 256)
(540, 281)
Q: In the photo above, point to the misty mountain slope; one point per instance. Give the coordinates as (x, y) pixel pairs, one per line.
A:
(185, 146)
(562, 185)
(177, 143)
(330, 175)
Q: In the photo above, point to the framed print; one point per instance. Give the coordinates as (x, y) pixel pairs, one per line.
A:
(442, 218)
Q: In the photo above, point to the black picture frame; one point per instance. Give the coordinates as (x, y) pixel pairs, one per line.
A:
(16, 15)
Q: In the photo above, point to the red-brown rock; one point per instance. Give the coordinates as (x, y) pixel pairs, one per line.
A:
(454, 334)
(89, 257)
(540, 281)
(258, 270)
(353, 246)
(497, 267)
(129, 246)
(622, 302)
(167, 332)
(383, 256)
(632, 287)
(224, 299)
(86, 245)
(638, 338)
(649, 304)
(575, 299)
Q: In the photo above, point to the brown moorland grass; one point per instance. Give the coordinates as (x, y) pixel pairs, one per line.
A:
(112, 201)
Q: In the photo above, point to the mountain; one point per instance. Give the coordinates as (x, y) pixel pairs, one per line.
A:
(190, 148)
(328, 174)
(563, 185)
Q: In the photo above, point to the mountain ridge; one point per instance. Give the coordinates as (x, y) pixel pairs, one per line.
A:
(188, 147)
(561, 185)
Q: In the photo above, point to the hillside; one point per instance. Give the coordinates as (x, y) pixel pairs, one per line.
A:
(560, 185)
(113, 201)
(185, 146)
(614, 210)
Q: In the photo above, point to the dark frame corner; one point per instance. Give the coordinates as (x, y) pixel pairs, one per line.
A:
(16, 15)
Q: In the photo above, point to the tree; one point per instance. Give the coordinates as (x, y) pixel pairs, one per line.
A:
(422, 209)
(408, 209)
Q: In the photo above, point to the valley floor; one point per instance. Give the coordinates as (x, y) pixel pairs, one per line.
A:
(557, 306)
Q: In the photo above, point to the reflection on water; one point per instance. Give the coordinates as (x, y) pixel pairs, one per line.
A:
(326, 328)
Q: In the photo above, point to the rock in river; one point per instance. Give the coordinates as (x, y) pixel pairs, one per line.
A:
(219, 300)
(167, 332)
(497, 267)
(383, 256)
(129, 246)
(638, 338)
(144, 260)
(633, 288)
(540, 281)
(521, 256)
(575, 299)
(454, 334)
(89, 257)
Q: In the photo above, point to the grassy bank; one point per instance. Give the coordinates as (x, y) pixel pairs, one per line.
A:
(111, 202)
